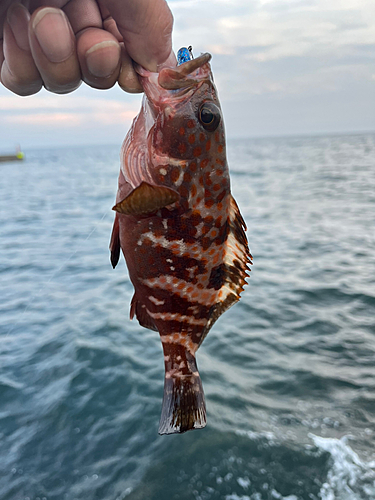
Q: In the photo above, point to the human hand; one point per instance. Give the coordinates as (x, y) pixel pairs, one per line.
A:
(58, 43)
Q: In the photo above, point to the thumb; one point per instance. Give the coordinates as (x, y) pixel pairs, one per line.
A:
(146, 27)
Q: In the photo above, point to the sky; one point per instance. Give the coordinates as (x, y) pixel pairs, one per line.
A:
(282, 67)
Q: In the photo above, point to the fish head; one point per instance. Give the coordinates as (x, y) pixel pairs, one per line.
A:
(182, 113)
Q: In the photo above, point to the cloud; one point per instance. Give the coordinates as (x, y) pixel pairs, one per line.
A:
(72, 102)
(280, 46)
(65, 111)
(50, 120)
(279, 28)
(275, 63)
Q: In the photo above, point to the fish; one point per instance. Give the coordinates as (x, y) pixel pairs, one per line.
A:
(179, 227)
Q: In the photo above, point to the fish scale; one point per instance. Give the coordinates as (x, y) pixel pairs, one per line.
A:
(179, 227)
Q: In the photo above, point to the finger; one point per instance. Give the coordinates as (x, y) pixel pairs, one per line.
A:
(98, 50)
(146, 27)
(18, 71)
(128, 79)
(83, 14)
(99, 55)
(1, 53)
(4, 5)
(53, 48)
(110, 25)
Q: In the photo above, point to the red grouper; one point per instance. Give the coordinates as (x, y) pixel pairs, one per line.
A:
(179, 227)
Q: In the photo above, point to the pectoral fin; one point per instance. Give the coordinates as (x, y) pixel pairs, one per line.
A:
(146, 199)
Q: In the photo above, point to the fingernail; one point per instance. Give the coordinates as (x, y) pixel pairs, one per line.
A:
(18, 19)
(102, 59)
(53, 34)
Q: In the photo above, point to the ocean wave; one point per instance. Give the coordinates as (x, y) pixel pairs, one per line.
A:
(348, 477)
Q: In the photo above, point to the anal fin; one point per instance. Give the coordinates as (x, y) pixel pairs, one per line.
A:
(144, 319)
(145, 199)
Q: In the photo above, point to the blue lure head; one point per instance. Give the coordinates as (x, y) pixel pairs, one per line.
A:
(184, 55)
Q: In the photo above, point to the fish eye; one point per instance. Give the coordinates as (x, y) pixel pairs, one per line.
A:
(209, 116)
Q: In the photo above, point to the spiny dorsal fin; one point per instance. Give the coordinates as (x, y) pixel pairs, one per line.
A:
(146, 199)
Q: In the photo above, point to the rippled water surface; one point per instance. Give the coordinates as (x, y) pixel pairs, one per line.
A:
(289, 372)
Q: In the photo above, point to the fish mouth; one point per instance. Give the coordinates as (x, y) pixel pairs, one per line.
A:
(177, 78)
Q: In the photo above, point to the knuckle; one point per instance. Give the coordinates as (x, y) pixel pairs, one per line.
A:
(62, 87)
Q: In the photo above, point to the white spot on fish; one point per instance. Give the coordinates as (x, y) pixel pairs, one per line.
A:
(189, 290)
(164, 242)
(163, 171)
(180, 339)
(177, 317)
(157, 302)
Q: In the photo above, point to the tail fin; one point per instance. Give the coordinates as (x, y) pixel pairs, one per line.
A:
(184, 407)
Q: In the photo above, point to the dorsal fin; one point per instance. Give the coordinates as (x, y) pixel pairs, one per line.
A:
(145, 199)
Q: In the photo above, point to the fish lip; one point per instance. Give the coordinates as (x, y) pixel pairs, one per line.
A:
(194, 65)
(175, 82)
(186, 74)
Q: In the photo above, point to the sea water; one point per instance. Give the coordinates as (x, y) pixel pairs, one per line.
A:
(288, 372)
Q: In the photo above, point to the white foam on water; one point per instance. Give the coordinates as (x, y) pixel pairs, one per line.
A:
(254, 436)
(275, 494)
(349, 478)
(233, 496)
(244, 482)
(258, 496)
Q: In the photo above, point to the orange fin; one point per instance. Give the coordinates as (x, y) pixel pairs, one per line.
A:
(141, 314)
(114, 245)
(146, 199)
